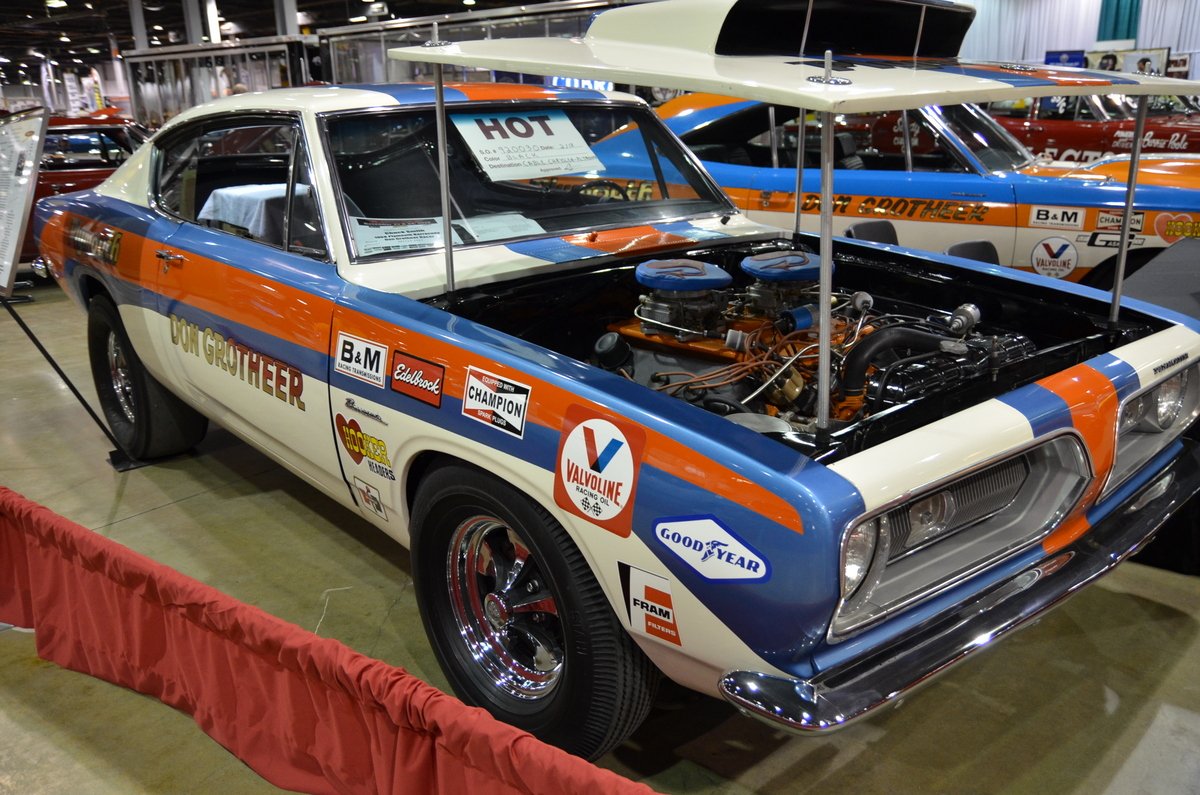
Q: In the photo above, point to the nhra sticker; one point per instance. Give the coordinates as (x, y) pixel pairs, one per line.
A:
(361, 359)
(496, 401)
(648, 604)
(417, 378)
(598, 464)
(1054, 257)
(1056, 217)
(370, 498)
(360, 444)
(710, 548)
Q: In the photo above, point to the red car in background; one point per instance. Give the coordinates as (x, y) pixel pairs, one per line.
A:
(80, 152)
(1086, 128)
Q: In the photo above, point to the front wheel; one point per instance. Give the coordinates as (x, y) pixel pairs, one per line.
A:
(518, 622)
(146, 420)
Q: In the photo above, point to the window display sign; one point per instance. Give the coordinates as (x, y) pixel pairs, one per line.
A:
(527, 145)
(21, 139)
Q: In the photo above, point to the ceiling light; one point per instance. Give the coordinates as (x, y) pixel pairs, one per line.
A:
(358, 19)
(93, 50)
(56, 3)
(468, 2)
(64, 38)
(158, 27)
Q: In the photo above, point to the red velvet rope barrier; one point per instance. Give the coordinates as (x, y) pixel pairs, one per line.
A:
(305, 712)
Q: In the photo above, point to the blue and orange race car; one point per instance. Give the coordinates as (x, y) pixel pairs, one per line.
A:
(957, 177)
(623, 428)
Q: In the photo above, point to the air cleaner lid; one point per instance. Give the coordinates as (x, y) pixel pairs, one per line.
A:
(681, 275)
(783, 266)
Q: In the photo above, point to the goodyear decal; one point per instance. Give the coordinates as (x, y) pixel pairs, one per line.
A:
(598, 462)
(711, 548)
(256, 370)
(649, 604)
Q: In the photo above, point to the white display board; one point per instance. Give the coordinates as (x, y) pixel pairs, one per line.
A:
(525, 145)
(21, 138)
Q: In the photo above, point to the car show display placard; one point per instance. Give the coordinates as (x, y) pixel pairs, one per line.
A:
(21, 138)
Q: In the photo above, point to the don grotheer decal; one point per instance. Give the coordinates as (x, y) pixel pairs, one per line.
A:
(496, 401)
(598, 462)
(649, 604)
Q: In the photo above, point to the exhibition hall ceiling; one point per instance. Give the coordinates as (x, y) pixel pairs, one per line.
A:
(83, 29)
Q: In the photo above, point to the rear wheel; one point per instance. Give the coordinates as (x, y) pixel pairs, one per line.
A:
(146, 420)
(517, 620)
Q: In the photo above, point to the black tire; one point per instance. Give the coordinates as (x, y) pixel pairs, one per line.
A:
(146, 419)
(517, 620)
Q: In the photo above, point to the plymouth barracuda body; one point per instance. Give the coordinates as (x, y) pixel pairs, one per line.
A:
(623, 428)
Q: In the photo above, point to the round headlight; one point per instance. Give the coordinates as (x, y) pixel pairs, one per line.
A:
(930, 517)
(857, 553)
(1133, 412)
(1168, 401)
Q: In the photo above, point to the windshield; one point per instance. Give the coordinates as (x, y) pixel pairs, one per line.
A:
(991, 144)
(516, 170)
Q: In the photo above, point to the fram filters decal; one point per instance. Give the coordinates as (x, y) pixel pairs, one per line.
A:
(1054, 257)
(255, 369)
(360, 445)
(648, 604)
(496, 401)
(370, 498)
(417, 378)
(1056, 217)
(711, 548)
(361, 359)
(597, 472)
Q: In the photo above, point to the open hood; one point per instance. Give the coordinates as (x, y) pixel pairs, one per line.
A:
(888, 55)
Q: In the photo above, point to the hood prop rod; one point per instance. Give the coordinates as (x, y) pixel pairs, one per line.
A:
(443, 163)
(825, 284)
(1135, 155)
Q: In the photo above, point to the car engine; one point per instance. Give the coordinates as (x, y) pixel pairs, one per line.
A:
(750, 353)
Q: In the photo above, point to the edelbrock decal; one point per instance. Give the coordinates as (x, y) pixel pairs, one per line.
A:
(710, 548)
(648, 604)
(417, 378)
(596, 475)
(496, 401)
(361, 359)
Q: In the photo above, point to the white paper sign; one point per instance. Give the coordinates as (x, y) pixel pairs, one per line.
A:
(526, 145)
(384, 235)
(21, 139)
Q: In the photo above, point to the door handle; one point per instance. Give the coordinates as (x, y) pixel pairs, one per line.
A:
(168, 258)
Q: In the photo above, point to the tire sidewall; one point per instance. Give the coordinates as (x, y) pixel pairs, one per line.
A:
(104, 319)
(447, 500)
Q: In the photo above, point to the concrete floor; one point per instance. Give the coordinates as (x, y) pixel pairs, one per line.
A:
(1103, 696)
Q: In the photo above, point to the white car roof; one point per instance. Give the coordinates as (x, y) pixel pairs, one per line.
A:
(679, 44)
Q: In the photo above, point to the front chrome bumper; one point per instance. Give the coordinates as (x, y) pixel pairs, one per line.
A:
(838, 696)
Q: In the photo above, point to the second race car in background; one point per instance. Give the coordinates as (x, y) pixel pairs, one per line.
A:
(960, 178)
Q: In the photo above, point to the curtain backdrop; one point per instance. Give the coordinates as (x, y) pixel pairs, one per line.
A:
(1174, 24)
(1119, 19)
(1022, 30)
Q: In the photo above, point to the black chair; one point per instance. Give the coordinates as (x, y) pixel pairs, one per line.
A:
(874, 231)
(982, 250)
(845, 152)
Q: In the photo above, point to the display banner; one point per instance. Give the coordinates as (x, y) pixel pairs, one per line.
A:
(21, 138)
(1066, 58)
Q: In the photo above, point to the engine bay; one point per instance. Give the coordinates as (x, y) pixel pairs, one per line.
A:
(734, 331)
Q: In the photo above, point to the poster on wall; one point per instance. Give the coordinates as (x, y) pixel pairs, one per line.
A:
(1180, 66)
(21, 138)
(1066, 58)
(1152, 61)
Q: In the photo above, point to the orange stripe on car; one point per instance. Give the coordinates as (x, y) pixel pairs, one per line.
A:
(1093, 402)
(630, 240)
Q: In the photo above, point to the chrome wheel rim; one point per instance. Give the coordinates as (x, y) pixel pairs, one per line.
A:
(505, 613)
(118, 370)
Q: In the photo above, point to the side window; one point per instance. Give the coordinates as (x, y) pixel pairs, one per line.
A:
(1010, 108)
(83, 149)
(252, 180)
(1057, 108)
